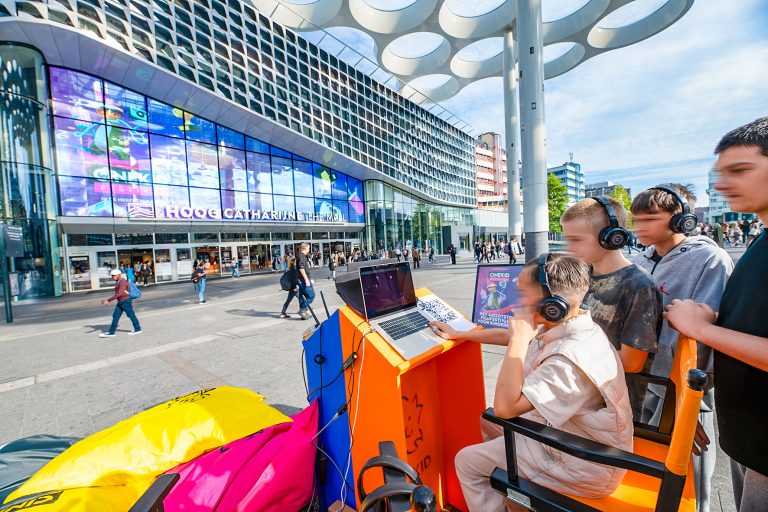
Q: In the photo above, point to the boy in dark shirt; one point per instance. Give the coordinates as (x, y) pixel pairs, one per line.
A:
(739, 331)
(622, 298)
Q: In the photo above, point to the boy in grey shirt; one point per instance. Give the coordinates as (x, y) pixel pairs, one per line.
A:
(683, 267)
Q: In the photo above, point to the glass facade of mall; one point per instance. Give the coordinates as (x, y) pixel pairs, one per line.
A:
(102, 173)
(27, 182)
(395, 218)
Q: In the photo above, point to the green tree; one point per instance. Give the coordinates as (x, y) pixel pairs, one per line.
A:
(621, 195)
(557, 200)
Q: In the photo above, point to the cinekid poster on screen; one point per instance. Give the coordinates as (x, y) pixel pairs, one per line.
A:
(495, 295)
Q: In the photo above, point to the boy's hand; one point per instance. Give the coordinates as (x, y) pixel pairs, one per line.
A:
(443, 330)
(700, 440)
(522, 326)
(689, 317)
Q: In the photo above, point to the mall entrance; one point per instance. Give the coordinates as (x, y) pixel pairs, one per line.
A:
(171, 256)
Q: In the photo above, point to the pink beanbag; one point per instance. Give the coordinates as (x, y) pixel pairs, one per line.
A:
(271, 470)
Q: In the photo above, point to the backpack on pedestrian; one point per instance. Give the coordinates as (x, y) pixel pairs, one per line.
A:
(289, 279)
(133, 291)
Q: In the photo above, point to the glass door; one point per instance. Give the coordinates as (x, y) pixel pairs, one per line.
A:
(260, 257)
(163, 267)
(183, 263)
(226, 260)
(277, 253)
(136, 258)
(210, 258)
(79, 273)
(106, 263)
(244, 258)
(316, 253)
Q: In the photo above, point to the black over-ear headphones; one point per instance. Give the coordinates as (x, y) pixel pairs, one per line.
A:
(552, 308)
(683, 222)
(613, 236)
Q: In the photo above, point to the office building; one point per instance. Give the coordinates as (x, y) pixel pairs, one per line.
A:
(571, 176)
(169, 132)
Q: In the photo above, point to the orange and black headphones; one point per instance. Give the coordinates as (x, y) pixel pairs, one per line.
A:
(613, 236)
(552, 308)
(683, 222)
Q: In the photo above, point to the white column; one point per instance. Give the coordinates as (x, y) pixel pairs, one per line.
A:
(511, 128)
(532, 130)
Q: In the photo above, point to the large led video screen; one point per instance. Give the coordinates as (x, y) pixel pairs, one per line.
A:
(122, 154)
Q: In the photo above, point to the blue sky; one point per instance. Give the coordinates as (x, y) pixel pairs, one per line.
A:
(651, 112)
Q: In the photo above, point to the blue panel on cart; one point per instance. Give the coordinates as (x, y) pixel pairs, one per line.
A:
(324, 359)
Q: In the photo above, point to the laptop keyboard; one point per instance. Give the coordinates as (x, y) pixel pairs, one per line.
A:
(405, 325)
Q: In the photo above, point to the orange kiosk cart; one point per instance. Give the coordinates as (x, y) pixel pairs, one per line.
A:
(428, 406)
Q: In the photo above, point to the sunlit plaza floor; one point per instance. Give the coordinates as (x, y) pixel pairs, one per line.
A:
(58, 377)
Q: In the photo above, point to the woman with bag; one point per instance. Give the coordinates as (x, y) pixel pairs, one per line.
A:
(198, 279)
(293, 290)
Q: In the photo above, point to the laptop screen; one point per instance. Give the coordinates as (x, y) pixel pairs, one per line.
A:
(387, 288)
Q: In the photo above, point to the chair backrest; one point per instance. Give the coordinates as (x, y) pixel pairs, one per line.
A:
(689, 389)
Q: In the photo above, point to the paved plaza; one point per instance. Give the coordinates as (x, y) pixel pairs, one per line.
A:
(58, 377)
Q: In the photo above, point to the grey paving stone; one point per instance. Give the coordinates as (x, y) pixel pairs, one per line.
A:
(247, 346)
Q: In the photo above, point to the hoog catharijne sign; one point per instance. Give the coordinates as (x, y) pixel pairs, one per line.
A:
(192, 213)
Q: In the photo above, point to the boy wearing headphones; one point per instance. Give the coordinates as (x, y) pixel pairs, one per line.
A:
(559, 369)
(683, 267)
(622, 297)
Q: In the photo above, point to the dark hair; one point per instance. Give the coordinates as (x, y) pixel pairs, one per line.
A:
(751, 134)
(655, 200)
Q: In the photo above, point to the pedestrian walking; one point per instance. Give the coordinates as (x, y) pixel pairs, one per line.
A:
(306, 291)
(416, 257)
(332, 262)
(198, 279)
(398, 254)
(754, 231)
(144, 272)
(452, 252)
(718, 234)
(124, 295)
(431, 254)
(128, 271)
(477, 252)
(235, 268)
(735, 233)
(293, 279)
(510, 252)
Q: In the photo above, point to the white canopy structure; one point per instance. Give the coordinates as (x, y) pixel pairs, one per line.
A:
(436, 47)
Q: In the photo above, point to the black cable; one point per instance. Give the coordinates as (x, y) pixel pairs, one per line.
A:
(304, 370)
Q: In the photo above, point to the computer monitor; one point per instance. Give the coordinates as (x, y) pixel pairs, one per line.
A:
(387, 289)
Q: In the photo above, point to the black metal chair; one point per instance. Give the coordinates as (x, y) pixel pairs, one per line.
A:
(659, 470)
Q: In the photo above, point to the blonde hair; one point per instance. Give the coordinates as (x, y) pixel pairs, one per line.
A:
(594, 215)
(568, 276)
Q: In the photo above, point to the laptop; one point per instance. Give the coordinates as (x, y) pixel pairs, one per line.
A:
(390, 306)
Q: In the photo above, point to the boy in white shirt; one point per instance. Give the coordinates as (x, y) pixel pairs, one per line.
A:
(565, 374)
